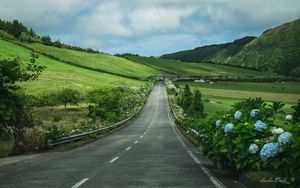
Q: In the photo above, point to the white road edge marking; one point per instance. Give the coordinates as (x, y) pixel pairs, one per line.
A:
(213, 179)
(114, 159)
(136, 142)
(128, 148)
(80, 183)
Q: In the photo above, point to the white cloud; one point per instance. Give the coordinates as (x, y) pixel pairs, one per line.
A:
(105, 19)
(140, 25)
(41, 14)
(158, 19)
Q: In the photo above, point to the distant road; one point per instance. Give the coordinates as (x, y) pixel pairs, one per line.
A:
(147, 153)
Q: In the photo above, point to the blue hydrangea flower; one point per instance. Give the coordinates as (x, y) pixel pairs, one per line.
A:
(284, 138)
(269, 150)
(254, 112)
(253, 148)
(259, 125)
(218, 123)
(228, 128)
(238, 115)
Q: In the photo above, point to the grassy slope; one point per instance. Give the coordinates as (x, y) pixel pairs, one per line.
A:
(58, 75)
(194, 69)
(214, 53)
(276, 48)
(101, 62)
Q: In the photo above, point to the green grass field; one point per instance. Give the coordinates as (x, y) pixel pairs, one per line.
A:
(58, 75)
(195, 69)
(102, 62)
(221, 96)
(273, 87)
(287, 92)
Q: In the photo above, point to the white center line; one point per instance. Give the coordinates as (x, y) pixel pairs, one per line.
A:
(128, 148)
(114, 159)
(80, 183)
(145, 132)
(141, 136)
(136, 142)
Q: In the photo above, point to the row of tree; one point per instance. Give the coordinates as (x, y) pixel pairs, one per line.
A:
(16, 30)
(191, 103)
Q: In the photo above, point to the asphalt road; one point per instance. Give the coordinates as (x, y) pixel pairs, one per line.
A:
(149, 152)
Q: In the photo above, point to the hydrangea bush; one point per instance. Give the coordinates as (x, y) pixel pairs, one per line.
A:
(246, 138)
(176, 109)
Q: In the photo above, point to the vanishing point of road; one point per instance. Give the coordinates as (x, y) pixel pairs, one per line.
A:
(149, 152)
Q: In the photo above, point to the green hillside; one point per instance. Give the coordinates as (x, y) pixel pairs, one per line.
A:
(96, 61)
(276, 50)
(194, 69)
(215, 52)
(58, 75)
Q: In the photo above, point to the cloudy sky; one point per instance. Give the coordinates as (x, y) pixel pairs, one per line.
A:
(149, 27)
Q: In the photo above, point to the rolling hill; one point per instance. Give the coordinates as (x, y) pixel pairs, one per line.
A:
(195, 69)
(59, 75)
(209, 52)
(96, 61)
(276, 49)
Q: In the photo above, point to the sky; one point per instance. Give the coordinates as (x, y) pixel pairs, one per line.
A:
(149, 27)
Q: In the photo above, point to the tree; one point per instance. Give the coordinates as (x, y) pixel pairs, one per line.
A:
(69, 96)
(107, 104)
(25, 37)
(197, 107)
(186, 98)
(47, 40)
(16, 28)
(15, 112)
(57, 43)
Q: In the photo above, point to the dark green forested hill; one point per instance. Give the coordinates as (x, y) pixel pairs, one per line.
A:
(209, 52)
(277, 49)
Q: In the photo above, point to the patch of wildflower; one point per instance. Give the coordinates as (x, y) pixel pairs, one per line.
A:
(259, 125)
(288, 117)
(277, 131)
(228, 128)
(269, 150)
(253, 148)
(254, 113)
(218, 123)
(238, 115)
(285, 138)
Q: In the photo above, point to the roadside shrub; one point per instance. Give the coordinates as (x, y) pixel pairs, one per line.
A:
(57, 118)
(246, 138)
(296, 114)
(34, 139)
(5, 134)
(50, 99)
(112, 105)
(69, 96)
(53, 133)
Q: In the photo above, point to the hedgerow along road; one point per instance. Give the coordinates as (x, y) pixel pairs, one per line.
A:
(149, 152)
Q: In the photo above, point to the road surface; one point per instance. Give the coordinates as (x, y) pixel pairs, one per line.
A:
(149, 152)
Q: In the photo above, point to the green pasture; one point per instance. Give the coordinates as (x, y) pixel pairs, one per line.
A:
(59, 75)
(195, 69)
(102, 62)
(221, 96)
